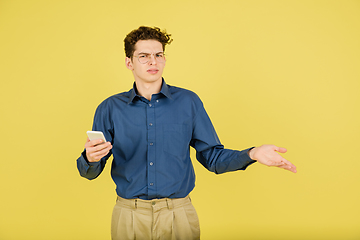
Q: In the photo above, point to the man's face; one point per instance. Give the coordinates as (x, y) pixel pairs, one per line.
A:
(152, 70)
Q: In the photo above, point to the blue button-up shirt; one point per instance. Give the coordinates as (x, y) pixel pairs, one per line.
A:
(151, 140)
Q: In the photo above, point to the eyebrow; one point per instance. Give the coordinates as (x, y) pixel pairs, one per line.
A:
(150, 53)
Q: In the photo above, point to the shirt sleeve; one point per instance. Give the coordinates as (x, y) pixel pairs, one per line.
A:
(89, 170)
(102, 122)
(210, 152)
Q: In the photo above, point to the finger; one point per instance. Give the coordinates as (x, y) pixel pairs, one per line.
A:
(100, 154)
(290, 167)
(91, 151)
(86, 143)
(102, 146)
(93, 143)
(281, 149)
(279, 160)
(286, 162)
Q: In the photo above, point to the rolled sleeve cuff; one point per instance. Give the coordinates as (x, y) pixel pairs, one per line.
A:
(84, 165)
(246, 158)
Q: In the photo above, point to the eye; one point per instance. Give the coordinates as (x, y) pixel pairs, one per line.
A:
(159, 55)
(142, 56)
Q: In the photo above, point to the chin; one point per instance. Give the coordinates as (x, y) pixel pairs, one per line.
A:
(146, 78)
(153, 79)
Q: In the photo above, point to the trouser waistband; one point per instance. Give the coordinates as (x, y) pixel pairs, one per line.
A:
(169, 203)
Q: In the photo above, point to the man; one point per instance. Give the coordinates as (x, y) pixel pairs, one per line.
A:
(149, 130)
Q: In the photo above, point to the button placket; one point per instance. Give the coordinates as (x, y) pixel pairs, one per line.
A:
(150, 118)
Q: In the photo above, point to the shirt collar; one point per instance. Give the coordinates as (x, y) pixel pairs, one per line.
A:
(164, 90)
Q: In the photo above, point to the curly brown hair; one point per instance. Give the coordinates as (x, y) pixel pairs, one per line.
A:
(145, 33)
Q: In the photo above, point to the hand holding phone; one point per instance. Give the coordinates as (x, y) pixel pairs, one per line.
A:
(96, 146)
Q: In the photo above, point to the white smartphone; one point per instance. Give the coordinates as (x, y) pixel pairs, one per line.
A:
(93, 135)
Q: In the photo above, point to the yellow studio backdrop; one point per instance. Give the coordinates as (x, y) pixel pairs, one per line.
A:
(278, 72)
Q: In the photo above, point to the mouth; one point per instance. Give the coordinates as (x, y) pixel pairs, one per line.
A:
(153, 71)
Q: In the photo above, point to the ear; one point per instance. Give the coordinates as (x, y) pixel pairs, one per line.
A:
(128, 63)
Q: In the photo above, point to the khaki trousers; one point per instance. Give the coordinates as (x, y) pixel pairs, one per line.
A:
(155, 219)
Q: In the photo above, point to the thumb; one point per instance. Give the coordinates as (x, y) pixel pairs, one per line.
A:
(281, 150)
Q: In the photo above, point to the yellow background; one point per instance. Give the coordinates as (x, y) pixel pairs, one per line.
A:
(278, 72)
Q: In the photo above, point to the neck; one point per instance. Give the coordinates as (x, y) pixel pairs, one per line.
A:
(148, 89)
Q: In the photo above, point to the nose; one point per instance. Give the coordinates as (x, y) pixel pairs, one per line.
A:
(152, 60)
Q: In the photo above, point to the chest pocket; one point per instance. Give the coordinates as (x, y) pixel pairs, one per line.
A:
(176, 139)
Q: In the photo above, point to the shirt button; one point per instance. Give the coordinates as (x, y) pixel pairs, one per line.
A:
(157, 100)
(151, 163)
(150, 124)
(150, 105)
(151, 184)
(151, 144)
